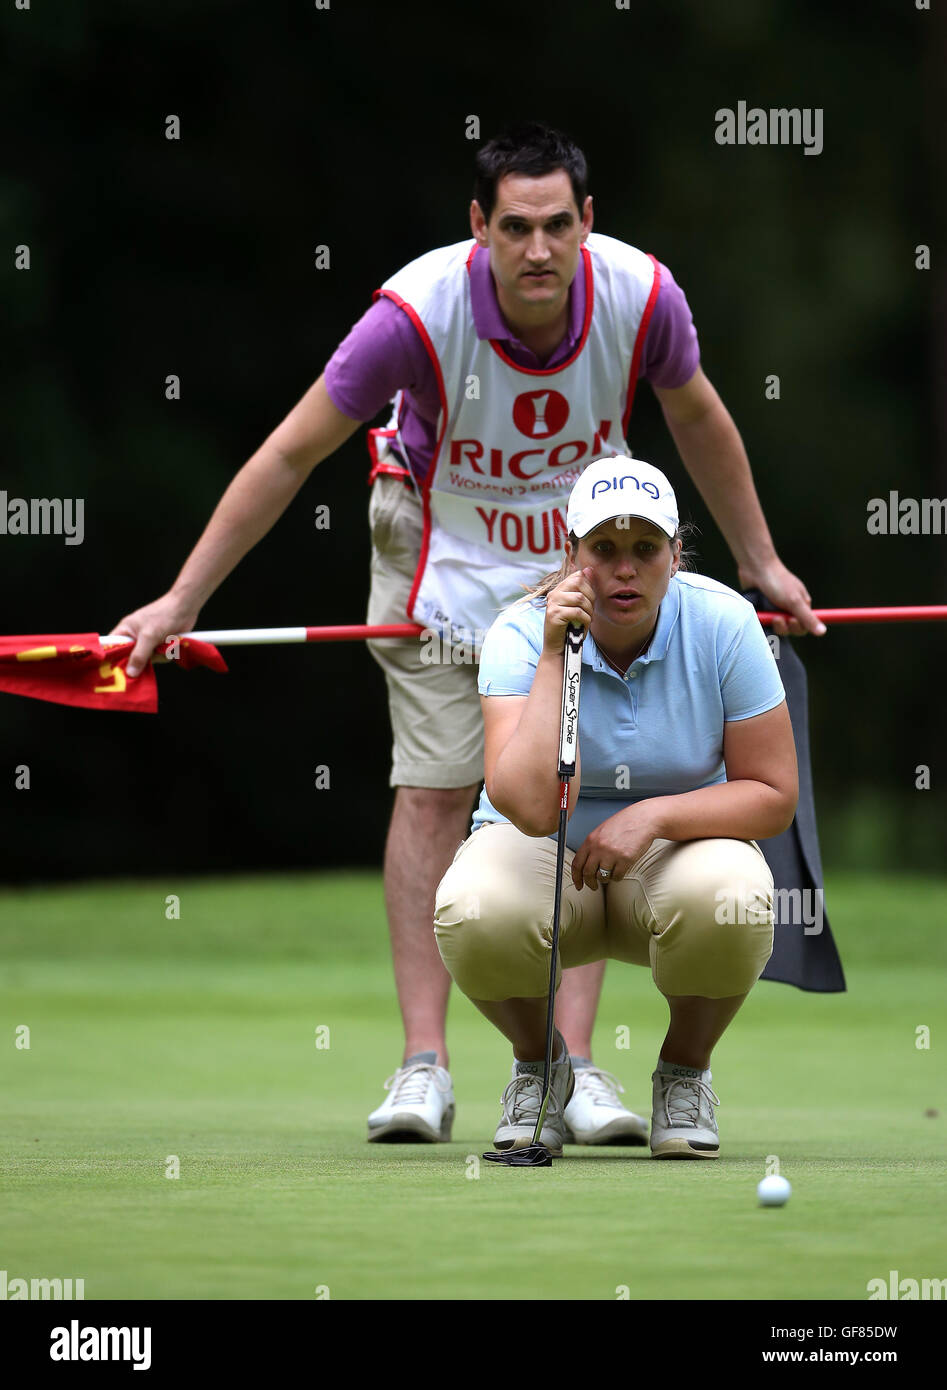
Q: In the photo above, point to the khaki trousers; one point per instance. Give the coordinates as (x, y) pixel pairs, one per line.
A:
(698, 912)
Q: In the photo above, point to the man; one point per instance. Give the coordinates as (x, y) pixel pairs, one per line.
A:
(512, 361)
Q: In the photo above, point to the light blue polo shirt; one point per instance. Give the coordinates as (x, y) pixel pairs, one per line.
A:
(657, 730)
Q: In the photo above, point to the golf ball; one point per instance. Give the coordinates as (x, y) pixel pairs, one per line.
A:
(773, 1191)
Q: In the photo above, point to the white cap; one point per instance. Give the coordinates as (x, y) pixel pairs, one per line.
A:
(620, 486)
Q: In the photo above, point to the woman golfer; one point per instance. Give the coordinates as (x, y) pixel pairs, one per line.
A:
(686, 758)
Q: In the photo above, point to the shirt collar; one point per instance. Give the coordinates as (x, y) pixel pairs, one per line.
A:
(668, 614)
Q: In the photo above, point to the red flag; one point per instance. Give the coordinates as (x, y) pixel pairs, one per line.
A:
(75, 669)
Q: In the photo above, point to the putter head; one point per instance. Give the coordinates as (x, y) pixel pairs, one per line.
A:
(534, 1156)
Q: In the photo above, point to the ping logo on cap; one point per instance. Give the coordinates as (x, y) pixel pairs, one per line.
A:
(607, 484)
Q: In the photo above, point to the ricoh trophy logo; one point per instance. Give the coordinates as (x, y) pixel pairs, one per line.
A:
(540, 414)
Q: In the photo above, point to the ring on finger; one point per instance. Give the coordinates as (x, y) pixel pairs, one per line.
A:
(604, 874)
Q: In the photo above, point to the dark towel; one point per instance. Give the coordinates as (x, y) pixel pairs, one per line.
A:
(811, 960)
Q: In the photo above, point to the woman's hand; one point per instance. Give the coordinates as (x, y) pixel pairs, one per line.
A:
(615, 845)
(572, 601)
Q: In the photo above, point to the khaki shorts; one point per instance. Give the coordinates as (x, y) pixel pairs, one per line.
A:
(698, 912)
(435, 712)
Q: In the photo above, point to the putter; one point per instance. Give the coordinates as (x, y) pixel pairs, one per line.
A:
(536, 1155)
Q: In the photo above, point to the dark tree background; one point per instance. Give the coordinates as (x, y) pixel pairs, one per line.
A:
(346, 127)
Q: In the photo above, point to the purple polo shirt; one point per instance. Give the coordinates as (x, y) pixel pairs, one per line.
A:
(384, 354)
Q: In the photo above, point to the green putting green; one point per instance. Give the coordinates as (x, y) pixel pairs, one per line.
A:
(196, 1039)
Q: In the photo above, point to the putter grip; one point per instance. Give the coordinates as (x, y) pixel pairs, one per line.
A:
(569, 717)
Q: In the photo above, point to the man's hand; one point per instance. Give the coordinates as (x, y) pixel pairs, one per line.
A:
(616, 845)
(166, 617)
(256, 497)
(709, 443)
(785, 592)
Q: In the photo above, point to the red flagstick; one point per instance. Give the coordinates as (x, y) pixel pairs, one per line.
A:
(86, 670)
(358, 632)
(911, 614)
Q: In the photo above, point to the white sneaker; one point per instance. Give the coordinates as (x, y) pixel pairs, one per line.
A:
(420, 1105)
(682, 1116)
(522, 1100)
(595, 1115)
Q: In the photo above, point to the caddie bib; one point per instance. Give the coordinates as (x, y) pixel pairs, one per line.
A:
(511, 441)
